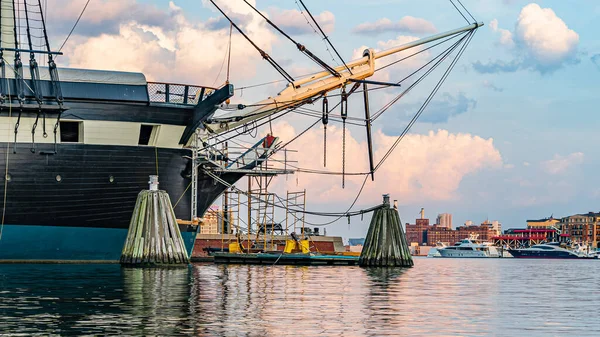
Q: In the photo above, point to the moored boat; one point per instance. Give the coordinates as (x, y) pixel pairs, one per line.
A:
(469, 248)
(552, 250)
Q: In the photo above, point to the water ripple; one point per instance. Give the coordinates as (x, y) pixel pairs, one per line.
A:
(438, 297)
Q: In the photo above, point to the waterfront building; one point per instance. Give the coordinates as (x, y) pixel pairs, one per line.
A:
(422, 233)
(582, 228)
(497, 226)
(518, 237)
(442, 234)
(213, 221)
(545, 223)
(417, 233)
(444, 220)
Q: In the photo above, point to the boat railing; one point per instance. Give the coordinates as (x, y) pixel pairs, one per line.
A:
(174, 93)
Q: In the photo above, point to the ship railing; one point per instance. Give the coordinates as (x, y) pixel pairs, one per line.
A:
(175, 93)
(278, 160)
(238, 157)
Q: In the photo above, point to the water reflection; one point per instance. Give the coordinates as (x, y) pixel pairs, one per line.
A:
(437, 297)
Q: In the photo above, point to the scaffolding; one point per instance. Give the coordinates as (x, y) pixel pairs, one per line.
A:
(230, 218)
(295, 205)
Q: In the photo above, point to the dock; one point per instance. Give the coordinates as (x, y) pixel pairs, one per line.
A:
(277, 258)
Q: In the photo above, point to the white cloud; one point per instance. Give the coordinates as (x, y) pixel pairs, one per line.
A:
(171, 53)
(541, 41)
(292, 21)
(407, 24)
(488, 84)
(560, 164)
(506, 38)
(509, 166)
(423, 167)
(545, 37)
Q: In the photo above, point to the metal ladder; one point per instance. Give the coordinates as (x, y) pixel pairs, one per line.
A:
(195, 150)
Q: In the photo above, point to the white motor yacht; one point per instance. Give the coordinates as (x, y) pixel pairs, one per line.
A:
(470, 247)
(434, 251)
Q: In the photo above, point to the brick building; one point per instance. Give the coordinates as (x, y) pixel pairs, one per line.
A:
(422, 233)
(582, 228)
(417, 232)
(484, 232)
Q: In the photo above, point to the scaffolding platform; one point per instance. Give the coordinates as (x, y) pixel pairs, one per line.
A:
(255, 172)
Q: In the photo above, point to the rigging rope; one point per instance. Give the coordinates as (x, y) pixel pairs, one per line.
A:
(262, 52)
(300, 47)
(75, 25)
(442, 56)
(229, 52)
(6, 166)
(465, 8)
(324, 35)
(429, 98)
(459, 12)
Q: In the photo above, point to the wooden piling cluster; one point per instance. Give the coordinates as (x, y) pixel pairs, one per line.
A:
(385, 244)
(154, 237)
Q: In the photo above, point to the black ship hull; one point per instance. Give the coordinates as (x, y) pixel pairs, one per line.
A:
(76, 204)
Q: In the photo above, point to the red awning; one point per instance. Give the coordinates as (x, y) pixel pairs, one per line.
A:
(519, 238)
(534, 230)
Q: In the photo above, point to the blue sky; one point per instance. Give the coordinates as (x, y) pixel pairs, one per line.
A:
(541, 117)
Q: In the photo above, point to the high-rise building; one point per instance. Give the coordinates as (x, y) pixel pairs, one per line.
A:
(444, 220)
(468, 223)
(497, 226)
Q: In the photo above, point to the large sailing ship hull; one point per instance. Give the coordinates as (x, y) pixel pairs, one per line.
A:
(76, 204)
(69, 196)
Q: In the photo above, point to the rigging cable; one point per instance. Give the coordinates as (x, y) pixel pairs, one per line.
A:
(459, 12)
(229, 52)
(300, 47)
(75, 25)
(262, 52)
(314, 171)
(429, 98)
(465, 8)
(293, 108)
(222, 65)
(443, 56)
(7, 154)
(324, 36)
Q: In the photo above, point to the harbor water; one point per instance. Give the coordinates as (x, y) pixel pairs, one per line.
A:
(437, 297)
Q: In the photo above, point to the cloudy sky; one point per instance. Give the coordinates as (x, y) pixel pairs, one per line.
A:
(511, 135)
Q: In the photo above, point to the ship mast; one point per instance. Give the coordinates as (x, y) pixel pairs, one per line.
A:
(305, 90)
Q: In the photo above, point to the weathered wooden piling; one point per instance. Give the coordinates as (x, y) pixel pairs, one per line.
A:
(154, 237)
(385, 244)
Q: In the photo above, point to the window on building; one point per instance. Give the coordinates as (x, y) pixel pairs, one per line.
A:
(148, 134)
(71, 132)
